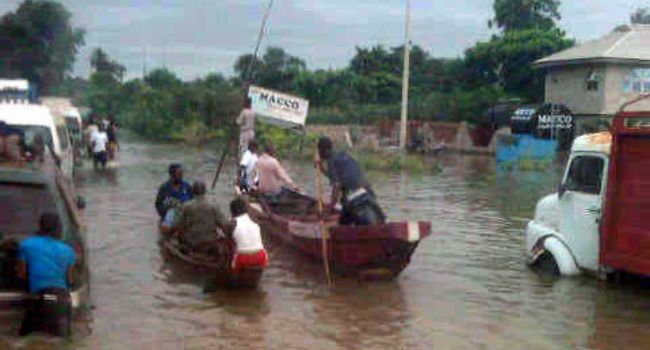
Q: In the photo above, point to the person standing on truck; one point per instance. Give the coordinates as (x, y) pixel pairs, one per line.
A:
(47, 264)
(246, 122)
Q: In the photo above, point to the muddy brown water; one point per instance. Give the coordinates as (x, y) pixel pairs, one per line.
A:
(467, 287)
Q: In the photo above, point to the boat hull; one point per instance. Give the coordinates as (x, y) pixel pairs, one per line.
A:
(215, 267)
(375, 251)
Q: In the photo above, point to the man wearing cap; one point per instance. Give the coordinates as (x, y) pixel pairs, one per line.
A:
(198, 220)
(349, 184)
(173, 192)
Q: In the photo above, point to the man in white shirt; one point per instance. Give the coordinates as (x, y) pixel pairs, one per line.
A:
(249, 249)
(98, 141)
(246, 166)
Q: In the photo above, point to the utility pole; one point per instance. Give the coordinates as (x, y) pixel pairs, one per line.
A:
(405, 78)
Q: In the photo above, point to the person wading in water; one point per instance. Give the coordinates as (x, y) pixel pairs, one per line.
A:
(47, 264)
(349, 184)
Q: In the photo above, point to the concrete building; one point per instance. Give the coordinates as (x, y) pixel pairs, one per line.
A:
(596, 77)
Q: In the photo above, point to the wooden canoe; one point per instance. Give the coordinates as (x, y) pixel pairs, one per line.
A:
(381, 251)
(215, 264)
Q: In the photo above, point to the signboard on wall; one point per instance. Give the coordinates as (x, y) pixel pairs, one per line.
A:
(278, 108)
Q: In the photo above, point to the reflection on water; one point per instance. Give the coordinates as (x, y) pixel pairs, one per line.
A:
(466, 288)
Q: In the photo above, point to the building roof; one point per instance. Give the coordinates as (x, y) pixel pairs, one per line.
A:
(626, 44)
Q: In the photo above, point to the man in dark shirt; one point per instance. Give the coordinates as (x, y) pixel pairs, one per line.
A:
(349, 184)
(173, 192)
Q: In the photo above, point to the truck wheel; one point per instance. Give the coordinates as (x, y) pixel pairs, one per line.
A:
(547, 265)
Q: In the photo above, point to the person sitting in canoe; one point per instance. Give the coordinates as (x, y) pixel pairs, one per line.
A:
(274, 181)
(349, 184)
(198, 221)
(173, 192)
(246, 166)
(247, 236)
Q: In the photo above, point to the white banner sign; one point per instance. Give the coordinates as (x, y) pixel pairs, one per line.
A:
(278, 108)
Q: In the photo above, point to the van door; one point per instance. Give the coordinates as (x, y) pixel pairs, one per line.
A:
(65, 153)
(581, 208)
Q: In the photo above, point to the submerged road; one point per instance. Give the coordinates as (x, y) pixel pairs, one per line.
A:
(467, 287)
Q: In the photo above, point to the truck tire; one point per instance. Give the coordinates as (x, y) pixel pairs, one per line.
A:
(547, 265)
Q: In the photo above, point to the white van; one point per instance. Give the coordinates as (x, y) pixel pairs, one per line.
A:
(36, 119)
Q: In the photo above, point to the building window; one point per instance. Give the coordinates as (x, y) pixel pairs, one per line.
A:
(637, 81)
(592, 81)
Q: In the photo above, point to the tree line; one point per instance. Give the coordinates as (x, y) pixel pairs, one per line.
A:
(39, 42)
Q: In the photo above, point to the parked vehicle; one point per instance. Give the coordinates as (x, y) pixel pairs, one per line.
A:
(37, 120)
(26, 191)
(598, 221)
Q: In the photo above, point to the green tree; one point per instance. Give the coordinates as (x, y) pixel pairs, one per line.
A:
(640, 16)
(507, 61)
(525, 14)
(276, 69)
(39, 43)
(102, 64)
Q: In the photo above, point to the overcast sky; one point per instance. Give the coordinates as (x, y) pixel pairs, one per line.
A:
(194, 37)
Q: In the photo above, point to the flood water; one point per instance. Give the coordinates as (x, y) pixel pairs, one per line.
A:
(468, 286)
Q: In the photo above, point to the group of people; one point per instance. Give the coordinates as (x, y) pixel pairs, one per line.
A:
(185, 211)
(101, 140)
(264, 175)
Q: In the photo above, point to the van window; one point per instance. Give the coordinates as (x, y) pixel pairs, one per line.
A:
(30, 132)
(585, 175)
(63, 137)
(21, 206)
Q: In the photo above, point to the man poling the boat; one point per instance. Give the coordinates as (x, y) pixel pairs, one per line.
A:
(249, 249)
(172, 193)
(349, 184)
(199, 221)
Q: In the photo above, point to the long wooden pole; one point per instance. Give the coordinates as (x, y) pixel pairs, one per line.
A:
(405, 78)
(323, 228)
(249, 73)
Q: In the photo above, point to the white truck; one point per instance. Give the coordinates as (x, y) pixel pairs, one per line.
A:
(599, 220)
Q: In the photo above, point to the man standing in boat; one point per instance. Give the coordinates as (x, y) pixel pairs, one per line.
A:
(173, 192)
(198, 220)
(246, 122)
(349, 185)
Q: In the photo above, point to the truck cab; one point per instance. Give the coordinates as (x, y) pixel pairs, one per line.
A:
(595, 222)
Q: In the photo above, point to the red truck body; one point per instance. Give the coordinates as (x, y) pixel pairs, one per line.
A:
(625, 229)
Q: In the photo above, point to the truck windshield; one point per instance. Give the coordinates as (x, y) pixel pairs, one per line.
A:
(585, 174)
(21, 206)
